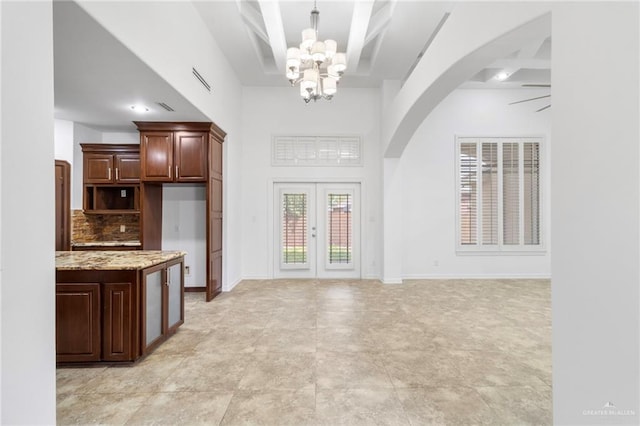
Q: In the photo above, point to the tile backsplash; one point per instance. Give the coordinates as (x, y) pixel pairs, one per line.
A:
(104, 227)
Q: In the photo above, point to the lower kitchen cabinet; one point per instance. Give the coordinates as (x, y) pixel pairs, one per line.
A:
(118, 325)
(163, 307)
(117, 316)
(78, 322)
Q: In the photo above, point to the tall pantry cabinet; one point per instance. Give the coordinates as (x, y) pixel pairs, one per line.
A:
(183, 152)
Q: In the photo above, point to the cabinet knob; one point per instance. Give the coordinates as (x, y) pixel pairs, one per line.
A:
(109, 173)
(177, 172)
(117, 173)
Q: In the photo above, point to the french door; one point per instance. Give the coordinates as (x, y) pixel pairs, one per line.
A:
(317, 230)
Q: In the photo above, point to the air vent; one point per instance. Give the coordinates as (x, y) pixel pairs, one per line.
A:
(201, 79)
(165, 106)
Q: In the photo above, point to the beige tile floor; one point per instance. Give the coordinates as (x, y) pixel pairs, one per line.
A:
(285, 352)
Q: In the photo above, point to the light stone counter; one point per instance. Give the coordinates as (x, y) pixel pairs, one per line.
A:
(112, 260)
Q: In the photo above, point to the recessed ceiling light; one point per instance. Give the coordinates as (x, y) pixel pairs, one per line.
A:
(139, 108)
(502, 75)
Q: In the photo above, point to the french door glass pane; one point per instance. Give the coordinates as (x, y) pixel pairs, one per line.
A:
(510, 194)
(294, 228)
(339, 228)
(468, 193)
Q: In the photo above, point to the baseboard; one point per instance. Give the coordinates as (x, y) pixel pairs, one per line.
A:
(195, 289)
(477, 277)
(391, 281)
(232, 285)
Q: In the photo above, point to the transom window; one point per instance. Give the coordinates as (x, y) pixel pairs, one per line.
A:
(498, 194)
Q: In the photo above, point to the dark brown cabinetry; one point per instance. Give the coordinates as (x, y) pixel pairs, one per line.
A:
(118, 330)
(173, 156)
(162, 303)
(78, 322)
(111, 163)
(192, 152)
(63, 205)
(110, 316)
(111, 177)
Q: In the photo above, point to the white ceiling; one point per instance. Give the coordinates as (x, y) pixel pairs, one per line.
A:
(97, 78)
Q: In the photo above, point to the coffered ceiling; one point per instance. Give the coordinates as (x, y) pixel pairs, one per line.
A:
(382, 39)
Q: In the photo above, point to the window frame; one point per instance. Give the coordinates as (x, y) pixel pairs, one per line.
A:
(500, 248)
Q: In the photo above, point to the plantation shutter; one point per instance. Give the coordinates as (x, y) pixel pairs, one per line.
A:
(489, 193)
(510, 194)
(499, 193)
(531, 189)
(468, 193)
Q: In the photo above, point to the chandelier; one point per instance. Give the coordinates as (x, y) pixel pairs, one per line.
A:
(316, 66)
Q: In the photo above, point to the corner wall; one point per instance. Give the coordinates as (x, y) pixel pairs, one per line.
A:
(428, 185)
(281, 111)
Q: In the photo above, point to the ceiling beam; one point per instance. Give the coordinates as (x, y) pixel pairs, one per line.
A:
(525, 54)
(272, 17)
(379, 21)
(359, 25)
(252, 19)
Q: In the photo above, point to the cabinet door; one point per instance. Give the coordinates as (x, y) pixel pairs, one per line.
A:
(152, 307)
(191, 156)
(98, 168)
(127, 168)
(77, 322)
(175, 296)
(156, 155)
(117, 327)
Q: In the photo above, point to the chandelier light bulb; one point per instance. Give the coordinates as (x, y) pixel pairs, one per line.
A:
(339, 62)
(308, 38)
(293, 74)
(329, 86)
(330, 48)
(333, 73)
(309, 79)
(317, 52)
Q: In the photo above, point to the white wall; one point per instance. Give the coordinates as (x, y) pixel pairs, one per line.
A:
(63, 140)
(27, 311)
(281, 111)
(184, 227)
(121, 137)
(595, 211)
(428, 183)
(177, 41)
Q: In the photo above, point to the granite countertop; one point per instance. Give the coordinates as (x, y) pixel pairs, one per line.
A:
(107, 244)
(113, 260)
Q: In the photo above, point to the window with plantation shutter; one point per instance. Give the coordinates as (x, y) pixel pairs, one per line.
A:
(334, 151)
(498, 194)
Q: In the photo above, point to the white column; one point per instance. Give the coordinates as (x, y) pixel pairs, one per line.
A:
(392, 252)
(595, 212)
(27, 270)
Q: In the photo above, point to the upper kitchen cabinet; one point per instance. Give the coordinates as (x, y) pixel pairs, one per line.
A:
(111, 178)
(111, 163)
(173, 152)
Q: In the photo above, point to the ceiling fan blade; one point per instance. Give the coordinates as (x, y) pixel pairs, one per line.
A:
(543, 108)
(531, 99)
(536, 85)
